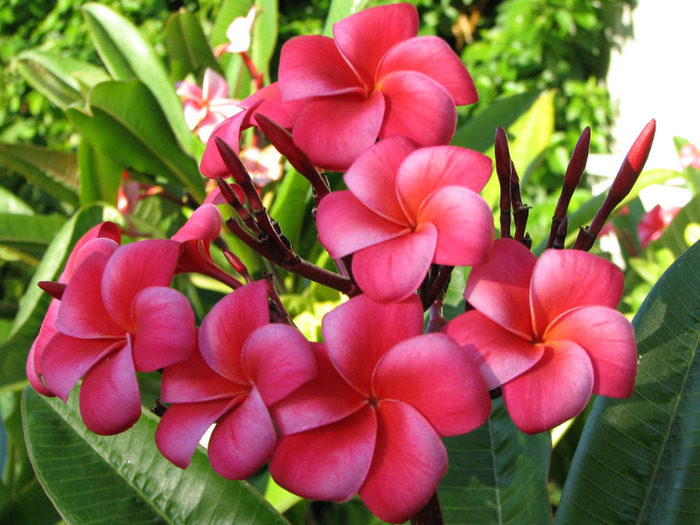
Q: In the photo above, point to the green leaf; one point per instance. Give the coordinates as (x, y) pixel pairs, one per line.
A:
(290, 205)
(638, 460)
(228, 11)
(11, 203)
(124, 477)
(340, 9)
(13, 362)
(29, 234)
(100, 175)
(497, 475)
(264, 35)
(188, 49)
(674, 238)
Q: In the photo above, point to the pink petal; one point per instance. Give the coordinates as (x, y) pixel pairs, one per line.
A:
(46, 333)
(229, 131)
(566, 279)
(329, 462)
(207, 125)
(228, 324)
(333, 131)
(409, 460)
(556, 389)
(194, 113)
(433, 57)
(417, 108)
(284, 113)
(311, 66)
(464, 225)
(345, 225)
(182, 427)
(500, 288)
(359, 332)
(393, 270)
(432, 374)
(204, 223)
(243, 439)
(107, 230)
(500, 354)
(214, 85)
(608, 338)
(365, 37)
(189, 91)
(109, 396)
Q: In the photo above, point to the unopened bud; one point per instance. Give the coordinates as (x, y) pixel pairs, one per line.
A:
(52, 288)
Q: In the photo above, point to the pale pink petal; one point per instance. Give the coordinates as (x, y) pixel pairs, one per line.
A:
(243, 440)
(365, 37)
(334, 131)
(345, 225)
(109, 396)
(214, 86)
(182, 427)
(409, 460)
(208, 124)
(392, 270)
(418, 108)
(359, 332)
(189, 91)
(608, 338)
(194, 113)
(329, 462)
(500, 288)
(500, 354)
(464, 225)
(556, 389)
(432, 374)
(204, 223)
(433, 57)
(566, 279)
(238, 32)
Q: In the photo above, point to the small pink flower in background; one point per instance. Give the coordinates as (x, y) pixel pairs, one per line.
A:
(246, 365)
(690, 156)
(375, 80)
(546, 331)
(371, 421)
(207, 106)
(408, 208)
(264, 165)
(238, 34)
(654, 222)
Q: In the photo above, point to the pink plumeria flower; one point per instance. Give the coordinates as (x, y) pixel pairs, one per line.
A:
(546, 331)
(690, 156)
(238, 34)
(375, 80)
(207, 106)
(246, 365)
(264, 165)
(371, 422)
(654, 222)
(408, 208)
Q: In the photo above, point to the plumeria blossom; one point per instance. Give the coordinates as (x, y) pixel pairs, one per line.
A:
(546, 331)
(375, 79)
(654, 222)
(371, 421)
(264, 165)
(245, 365)
(408, 208)
(689, 156)
(238, 34)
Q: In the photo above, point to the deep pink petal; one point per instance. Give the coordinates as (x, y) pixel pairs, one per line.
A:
(107, 230)
(365, 37)
(556, 389)
(182, 427)
(229, 131)
(204, 224)
(333, 131)
(500, 354)
(500, 288)
(46, 333)
(109, 396)
(464, 225)
(409, 460)
(392, 270)
(418, 108)
(432, 374)
(565, 279)
(359, 332)
(243, 440)
(345, 225)
(329, 462)
(608, 338)
(284, 113)
(228, 324)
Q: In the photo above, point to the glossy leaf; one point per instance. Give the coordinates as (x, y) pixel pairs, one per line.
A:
(29, 234)
(188, 49)
(340, 9)
(11, 203)
(264, 35)
(100, 175)
(638, 460)
(89, 477)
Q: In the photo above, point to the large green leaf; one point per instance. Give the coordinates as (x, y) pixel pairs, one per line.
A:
(674, 236)
(638, 460)
(228, 11)
(340, 9)
(188, 49)
(100, 175)
(290, 205)
(123, 478)
(11, 203)
(497, 475)
(264, 35)
(29, 234)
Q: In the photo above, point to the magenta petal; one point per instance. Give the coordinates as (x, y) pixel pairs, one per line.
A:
(464, 225)
(556, 389)
(432, 374)
(359, 332)
(284, 113)
(566, 279)
(409, 460)
(329, 462)
(334, 131)
(204, 224)
(229, 131)
(500, 289)
(107, 230)
(46, 333)
(500, 354)
(392, 270)
(109, 396)
(345, 225)
(182, 427)
(243, 439)
(608, 338)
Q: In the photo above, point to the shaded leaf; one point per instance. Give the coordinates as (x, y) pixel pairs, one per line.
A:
(674, 237)
(264, 35)
(29, 234)
(188, 49)
(340, 9)
(11, 203)
(100, 175)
